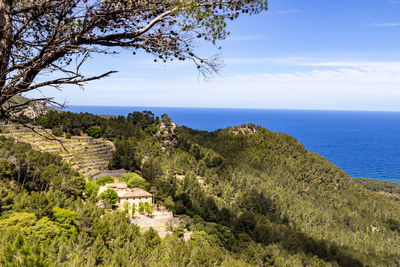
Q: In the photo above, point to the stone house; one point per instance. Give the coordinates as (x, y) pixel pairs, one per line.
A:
(128, 195)
(135, 196)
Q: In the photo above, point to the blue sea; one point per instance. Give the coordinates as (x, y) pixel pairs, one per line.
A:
(363, 144)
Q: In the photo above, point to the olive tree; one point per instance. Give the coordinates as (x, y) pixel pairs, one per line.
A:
(40, 37)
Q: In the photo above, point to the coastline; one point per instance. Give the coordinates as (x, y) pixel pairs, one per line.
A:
(345, 138)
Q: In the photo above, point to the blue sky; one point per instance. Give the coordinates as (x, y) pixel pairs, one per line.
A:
(301, 54)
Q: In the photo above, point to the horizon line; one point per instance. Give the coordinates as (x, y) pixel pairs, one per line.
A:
(244, 108)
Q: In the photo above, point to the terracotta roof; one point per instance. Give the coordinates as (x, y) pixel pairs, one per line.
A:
(116, 185)
(135, 193)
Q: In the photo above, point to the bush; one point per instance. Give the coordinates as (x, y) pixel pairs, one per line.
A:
(94, 131)
(68, 135)
(152, 238)
(149, 209)
(179, 208)
(110, 196)
(91, 189)
(57, 131)
(105, 180)
(178, 231)
(134, 180)
(65, 220)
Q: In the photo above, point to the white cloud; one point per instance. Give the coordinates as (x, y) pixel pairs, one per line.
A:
(332, 74)
(313, 84)
(386, 24)
(288, 11)
(266, 61)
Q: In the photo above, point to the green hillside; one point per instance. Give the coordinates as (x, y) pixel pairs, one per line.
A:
(16, 100)
(251, 197)
(322, 210)
(386, 188)
(379, 186)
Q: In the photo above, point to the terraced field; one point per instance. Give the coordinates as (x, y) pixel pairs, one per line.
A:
(86, 154)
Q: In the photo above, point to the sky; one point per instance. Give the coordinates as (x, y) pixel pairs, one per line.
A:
(300, 54)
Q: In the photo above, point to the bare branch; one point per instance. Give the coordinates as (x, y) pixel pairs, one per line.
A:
(48, 136)
(69, 80)
(46, 36)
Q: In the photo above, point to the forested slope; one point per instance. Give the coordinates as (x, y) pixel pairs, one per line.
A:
(250, 196)
(379, 186)
(86, 154)
(317, 206)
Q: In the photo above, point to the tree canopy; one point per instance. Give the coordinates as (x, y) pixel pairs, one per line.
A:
(134, 180)
(109, 195)
(45, 36)
(251, 197)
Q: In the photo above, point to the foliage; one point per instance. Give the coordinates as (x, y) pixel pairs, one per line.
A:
(66, 33)
(65, 220)
(134, 180)
(250, 196)
(104, 180)
(152, 238)
(379, 186)
(179, 231)
(22, 221)
(45, 230)
(133, 208)
(142, 119)
(94, 131)
(57, 131)
(125, 207)
(110, 128)
(148, 208)
(260, 186)
(109, 195)
(91, 189)
(32, 170)
(141, 208)
(7, 169)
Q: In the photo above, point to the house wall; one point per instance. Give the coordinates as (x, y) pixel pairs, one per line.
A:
(135, 201)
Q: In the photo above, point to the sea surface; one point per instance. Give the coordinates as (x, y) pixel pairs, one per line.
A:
(363, 144)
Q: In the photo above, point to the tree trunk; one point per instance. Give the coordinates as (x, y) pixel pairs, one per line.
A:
(5, 39)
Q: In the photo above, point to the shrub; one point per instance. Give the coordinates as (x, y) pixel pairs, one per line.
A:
(91, 189)
(65, 220)
(110, 196)
(179, 208)
(68, 135)
(152, 238)
(178, 231)
(57, 131)
(134, 180)
(149, 209)
(105, 180)
(94, 131)
(141, 207)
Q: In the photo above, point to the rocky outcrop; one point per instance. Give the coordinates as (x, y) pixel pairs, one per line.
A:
(167, 133)
(32, 111)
